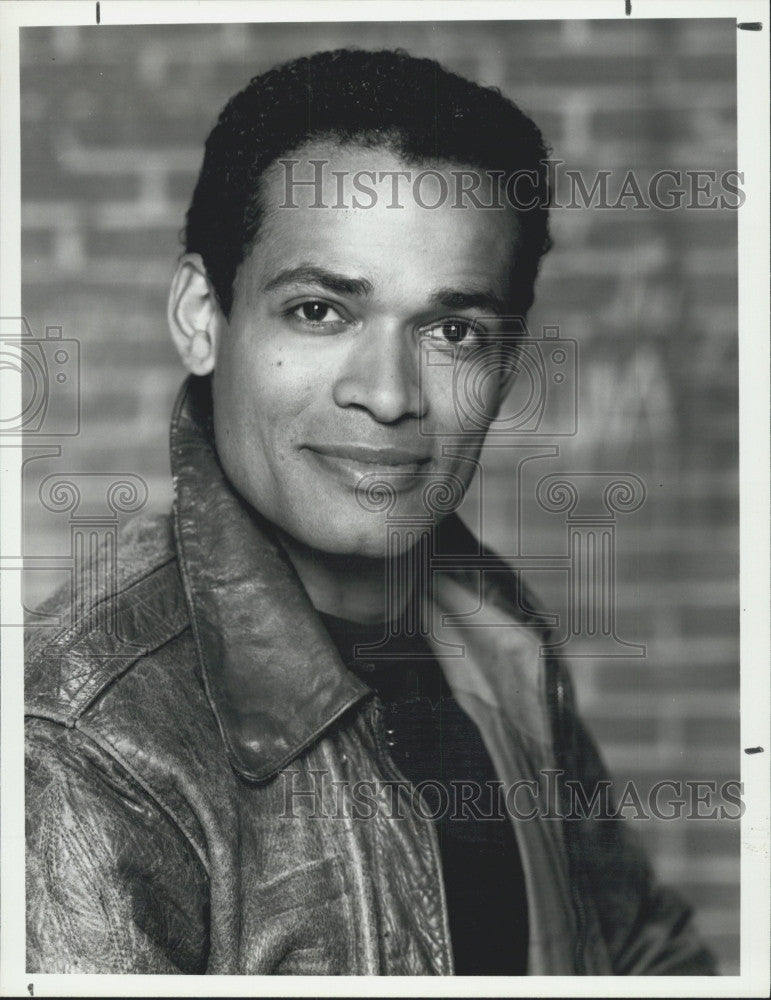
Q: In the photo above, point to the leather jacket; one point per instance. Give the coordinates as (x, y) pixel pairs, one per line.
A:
(188, 735)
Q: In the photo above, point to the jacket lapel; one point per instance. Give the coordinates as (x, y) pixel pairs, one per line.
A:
(498, 679)
(273, 677)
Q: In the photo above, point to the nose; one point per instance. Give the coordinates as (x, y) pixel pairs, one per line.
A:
(380, 374)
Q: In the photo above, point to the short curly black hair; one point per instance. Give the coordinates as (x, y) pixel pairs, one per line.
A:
(412, 106)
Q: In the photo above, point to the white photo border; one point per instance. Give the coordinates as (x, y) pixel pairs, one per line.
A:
(753, 160)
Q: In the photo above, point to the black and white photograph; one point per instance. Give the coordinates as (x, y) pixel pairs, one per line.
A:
(385, 499)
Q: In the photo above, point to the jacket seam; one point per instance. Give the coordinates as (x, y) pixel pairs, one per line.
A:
(69, 631)
(66, 711)
(117, 677)
(111, 751)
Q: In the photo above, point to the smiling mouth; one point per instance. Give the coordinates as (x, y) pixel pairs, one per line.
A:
(352, 462)
(378, 458)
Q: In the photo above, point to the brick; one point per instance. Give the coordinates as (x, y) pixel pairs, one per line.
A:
(708, 838)
(35, 45)
(139, 244)
(699, 663)
(35, 244)
(708, 35)
(147, 274)
(163, 215)
(701, 619)
(179, 122)
(654, 763)
(664, 124)
(722, 732)
(721, 64)
(609, 706)
(37, 185)
(118, 158)
(726, 897)
(122, 407)
(637, 730)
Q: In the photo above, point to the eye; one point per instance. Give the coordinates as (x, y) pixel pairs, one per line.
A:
(451, 330)
(316, 312)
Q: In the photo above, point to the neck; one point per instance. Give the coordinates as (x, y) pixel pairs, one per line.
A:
(346, 586)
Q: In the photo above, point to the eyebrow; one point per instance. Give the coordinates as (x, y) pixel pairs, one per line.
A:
(485, 299)
(332, 282)
(341, 284)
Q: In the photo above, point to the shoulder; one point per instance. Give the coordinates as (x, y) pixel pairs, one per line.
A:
(128, 602)
(114, 694)
(114, 881)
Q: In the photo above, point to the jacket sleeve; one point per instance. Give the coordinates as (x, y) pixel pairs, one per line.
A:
(112, 886)
(647, 928)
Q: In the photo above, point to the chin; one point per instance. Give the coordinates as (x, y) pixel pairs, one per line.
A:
(366, 541)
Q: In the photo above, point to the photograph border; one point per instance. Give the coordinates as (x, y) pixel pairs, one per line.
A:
(755, 692)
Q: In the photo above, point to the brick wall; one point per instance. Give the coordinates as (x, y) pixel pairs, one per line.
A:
(113, 122)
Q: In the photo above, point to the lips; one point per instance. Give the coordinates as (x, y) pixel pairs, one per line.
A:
(351, 464)
(378, 458)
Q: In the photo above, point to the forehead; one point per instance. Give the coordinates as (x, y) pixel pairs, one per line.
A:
(369, 211)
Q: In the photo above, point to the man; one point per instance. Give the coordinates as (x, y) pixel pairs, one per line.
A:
(263, 750)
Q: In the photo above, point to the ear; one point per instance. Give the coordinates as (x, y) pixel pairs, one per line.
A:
(194, 315)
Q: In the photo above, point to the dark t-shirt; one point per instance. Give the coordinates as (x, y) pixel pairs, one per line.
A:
(431, 739)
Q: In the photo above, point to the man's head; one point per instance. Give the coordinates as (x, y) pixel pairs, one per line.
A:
(334, 334)
(385, 99)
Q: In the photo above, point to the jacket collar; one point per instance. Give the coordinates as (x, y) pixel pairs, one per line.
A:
(271, 672)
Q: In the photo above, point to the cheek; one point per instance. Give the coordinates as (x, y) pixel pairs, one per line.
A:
(280, 396)
(463, 395)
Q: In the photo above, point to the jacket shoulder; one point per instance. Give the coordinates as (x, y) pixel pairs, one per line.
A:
(132, 604)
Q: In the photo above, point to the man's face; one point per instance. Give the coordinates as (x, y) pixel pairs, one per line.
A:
(321, 386)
